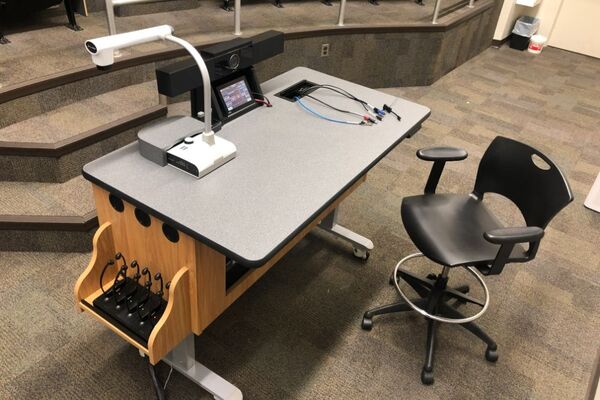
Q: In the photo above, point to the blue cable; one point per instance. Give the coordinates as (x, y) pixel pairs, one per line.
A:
(339, 121)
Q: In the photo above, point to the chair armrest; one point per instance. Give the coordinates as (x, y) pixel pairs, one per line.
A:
(507, 238)
(439, 156)
(514, 235)
(442, 154)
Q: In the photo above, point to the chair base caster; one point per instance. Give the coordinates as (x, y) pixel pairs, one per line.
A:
(361, 253)
(426, 377)
(367, 323)
(491, 355)
(74, 27)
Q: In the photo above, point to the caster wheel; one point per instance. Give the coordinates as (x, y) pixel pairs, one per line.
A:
(427, 377)
(367, 323)
(363, 254)
(433, 277)
(491, 355)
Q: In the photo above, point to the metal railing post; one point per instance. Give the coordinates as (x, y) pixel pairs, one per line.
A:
(110, 16)
(471, 3)
(237, 30)
(340, 21)
(436, 11)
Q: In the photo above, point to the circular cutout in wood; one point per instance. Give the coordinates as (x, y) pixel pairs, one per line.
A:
(142, 217)
(170, 233)
(116, 203)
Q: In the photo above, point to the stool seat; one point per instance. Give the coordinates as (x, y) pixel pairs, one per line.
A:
(448, 229)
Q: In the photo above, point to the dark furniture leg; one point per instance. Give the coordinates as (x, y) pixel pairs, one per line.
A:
(460, 296)
(227, 5)
(327, 2)
(420, 2)
(3, 39)
(278, 4)
(70, 8)
(367, 322)
(158, 387)
(374, 2)
(427, 372)
(420, 285)
(491, 353)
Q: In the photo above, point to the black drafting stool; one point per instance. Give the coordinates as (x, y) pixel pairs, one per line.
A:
(457, 230)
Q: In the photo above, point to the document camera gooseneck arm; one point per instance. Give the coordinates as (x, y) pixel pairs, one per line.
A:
(208, 132)
(102, 51)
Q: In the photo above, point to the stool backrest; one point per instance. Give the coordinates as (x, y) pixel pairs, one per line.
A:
(526, 177)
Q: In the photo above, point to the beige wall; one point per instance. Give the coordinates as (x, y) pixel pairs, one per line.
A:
(547, 12)
(508, 15)
(572, 25)
(577, 27)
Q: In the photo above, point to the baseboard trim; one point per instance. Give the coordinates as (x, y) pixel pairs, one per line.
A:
(84, 139)
(49, 222)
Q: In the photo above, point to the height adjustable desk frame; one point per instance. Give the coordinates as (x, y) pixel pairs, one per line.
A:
(286, 181)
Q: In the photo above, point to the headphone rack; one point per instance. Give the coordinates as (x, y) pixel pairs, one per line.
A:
(134, 307)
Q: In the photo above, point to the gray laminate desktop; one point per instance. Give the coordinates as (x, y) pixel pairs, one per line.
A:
(290, 165)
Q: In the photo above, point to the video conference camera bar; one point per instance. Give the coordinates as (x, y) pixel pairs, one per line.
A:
(227, 62)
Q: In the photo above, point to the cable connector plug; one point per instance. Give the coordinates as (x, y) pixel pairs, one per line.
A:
(388, 109)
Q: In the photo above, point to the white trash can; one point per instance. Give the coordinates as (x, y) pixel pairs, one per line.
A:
(536, 44)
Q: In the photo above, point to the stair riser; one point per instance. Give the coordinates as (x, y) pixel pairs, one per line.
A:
(53, 241)
(63, 168)
(26, 107)
(158, 7)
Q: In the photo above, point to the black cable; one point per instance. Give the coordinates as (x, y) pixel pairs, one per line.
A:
(338, 90)
(311, 89)
(158, 387)
(334, 108)
(110, 262)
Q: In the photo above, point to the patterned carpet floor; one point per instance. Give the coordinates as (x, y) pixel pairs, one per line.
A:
(296, 334)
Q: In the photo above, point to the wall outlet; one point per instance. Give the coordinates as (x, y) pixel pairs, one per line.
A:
(325, 50)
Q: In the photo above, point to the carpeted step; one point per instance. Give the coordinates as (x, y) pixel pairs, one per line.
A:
(47, 216)
(155, 7)
(53, 146)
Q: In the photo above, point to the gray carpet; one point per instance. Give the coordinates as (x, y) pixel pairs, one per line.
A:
(296, 333)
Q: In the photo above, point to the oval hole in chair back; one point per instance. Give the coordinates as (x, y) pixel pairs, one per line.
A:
(539, 162)
(509, 168)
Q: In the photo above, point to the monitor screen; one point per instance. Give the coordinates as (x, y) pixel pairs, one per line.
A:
(235, 95)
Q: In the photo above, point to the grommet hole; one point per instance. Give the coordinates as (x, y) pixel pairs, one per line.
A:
(170, 233)
(116, 203)
(142, 217)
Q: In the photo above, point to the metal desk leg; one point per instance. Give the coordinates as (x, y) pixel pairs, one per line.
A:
(361, 244)
(183, 360)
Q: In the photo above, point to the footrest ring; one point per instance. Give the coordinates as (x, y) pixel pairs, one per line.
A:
(424, 313)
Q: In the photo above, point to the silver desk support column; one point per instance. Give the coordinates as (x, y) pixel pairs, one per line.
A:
(471, 3)
(237, 30)
(361, 244)
(341, 14)
(183, 359)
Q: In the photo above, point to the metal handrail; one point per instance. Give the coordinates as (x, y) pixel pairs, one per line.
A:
(340, 21)
(436, 11)
(438, 6)
(111, 4)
